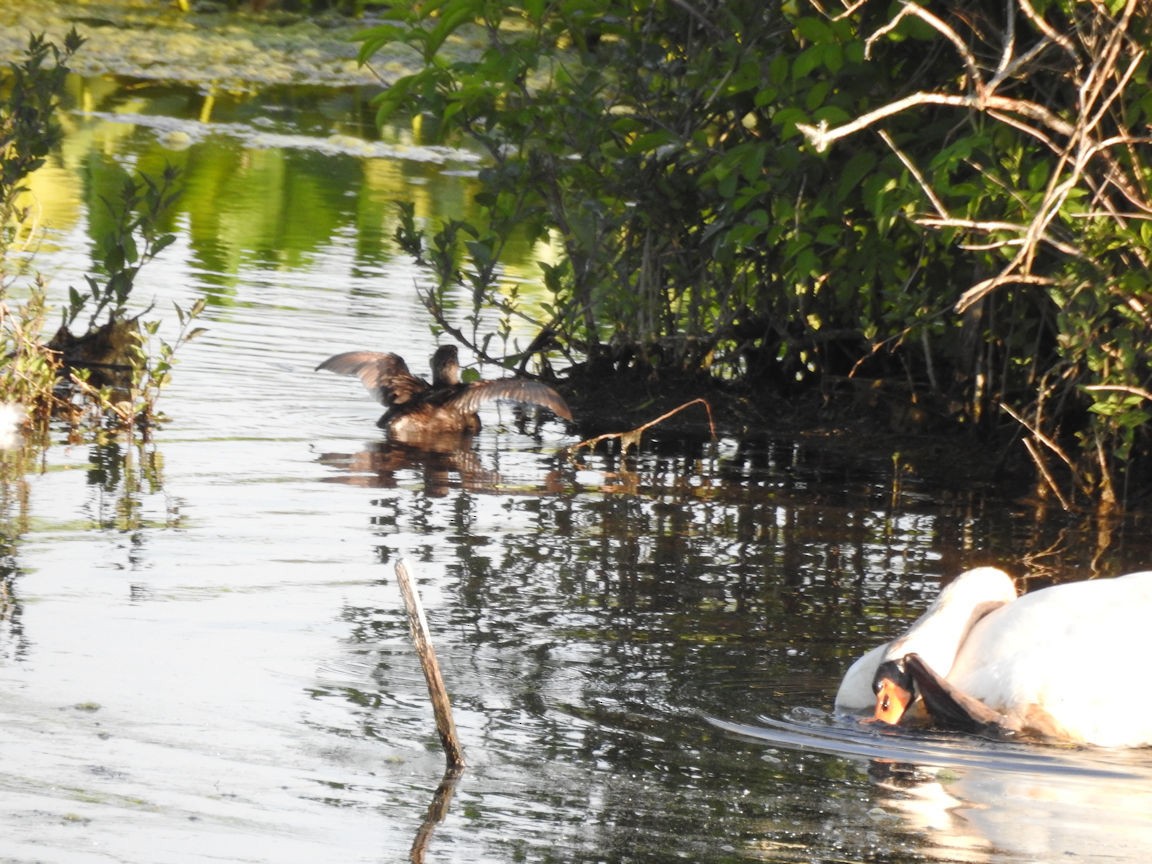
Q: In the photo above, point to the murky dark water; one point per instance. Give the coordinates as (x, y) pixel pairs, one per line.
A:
(203, 654)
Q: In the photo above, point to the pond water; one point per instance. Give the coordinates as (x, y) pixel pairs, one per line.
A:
(204, 655)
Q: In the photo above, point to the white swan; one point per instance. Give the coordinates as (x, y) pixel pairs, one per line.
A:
(1063, 663)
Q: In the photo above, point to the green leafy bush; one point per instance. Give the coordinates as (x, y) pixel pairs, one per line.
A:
(112, 361)
(949, 205)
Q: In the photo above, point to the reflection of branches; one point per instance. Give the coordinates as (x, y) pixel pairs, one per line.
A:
(1084, 149)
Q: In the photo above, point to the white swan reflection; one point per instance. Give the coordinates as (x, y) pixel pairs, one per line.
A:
(976, 800)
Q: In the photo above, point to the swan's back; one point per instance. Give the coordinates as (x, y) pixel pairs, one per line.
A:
(1075, 652)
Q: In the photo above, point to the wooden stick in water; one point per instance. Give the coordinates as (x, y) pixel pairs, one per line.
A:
(441, 706)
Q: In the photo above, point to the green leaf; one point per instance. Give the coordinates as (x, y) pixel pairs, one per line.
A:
(857, 168)
(809, 59)
(833, 57)
(114, 259)
(394, 98)
(456, 15)
(813, 29)
(786, 119)
(376, 38)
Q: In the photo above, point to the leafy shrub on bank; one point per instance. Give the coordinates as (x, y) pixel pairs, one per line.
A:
(952, 205)
(111, 365)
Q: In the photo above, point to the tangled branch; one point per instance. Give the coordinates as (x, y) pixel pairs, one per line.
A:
(1083, 147)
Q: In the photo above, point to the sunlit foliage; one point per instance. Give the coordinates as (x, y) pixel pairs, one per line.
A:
(796, 197)
(115, 364)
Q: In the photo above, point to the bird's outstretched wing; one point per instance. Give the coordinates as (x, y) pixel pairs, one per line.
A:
(510, 390)
(385, 375)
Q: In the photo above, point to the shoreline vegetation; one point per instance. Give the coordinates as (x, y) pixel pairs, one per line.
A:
(103, 370)
(844, 289)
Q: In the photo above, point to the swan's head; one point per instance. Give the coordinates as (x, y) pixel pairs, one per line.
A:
(937, 636)
(894, 691)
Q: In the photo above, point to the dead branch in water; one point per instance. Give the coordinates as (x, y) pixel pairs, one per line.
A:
(441, 706)
(631, 438)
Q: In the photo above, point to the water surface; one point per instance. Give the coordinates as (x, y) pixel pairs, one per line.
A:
(203, 654)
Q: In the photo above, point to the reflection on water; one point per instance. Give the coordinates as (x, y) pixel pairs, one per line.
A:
(387, 464)
(978, 800)
(455, 464)
(203, 654)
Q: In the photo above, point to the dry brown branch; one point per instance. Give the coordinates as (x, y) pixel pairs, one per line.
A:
(1027, 128)
(1121, 388)
(1082, 147)
(915, 172)
(1039, 436)
(1008, 50)
(631, 438)
(952, 36)
(821, 137)
(1048, 31)
(1106, 495)
(881, 32)
(441, 705)
(993, 225)
(1042, 467)
(849, 9)
(982, 289)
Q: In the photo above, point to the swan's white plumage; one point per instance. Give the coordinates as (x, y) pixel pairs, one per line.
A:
(1077, 651)
(855, 693)
(1073, 654)
(934, 635)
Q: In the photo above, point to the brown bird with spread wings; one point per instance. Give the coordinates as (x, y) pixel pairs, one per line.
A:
(448, 405)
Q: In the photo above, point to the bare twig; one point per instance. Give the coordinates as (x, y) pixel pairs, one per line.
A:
(915, 172)
(1037, 21)
(1008, 52)
(1076, 143)
(631, 438)
(1042, 467)
(994, 225)
(822, 137)
(982, 289)
(941, 27)
(1039, 436)
(1121, 388)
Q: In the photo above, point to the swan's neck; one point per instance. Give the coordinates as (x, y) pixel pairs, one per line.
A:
(938, 634)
